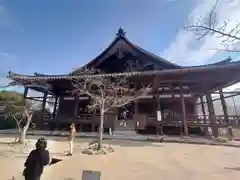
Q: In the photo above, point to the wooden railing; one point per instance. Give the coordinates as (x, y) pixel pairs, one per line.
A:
(193, 120)
(83, 119)
(144, 119)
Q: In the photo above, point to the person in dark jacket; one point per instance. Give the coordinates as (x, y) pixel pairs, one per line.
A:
(37, 159)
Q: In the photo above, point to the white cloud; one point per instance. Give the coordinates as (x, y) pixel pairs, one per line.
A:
(186, 49)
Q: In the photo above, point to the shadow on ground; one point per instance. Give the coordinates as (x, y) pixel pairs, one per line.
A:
(6, 143)
(129, 143)
(117, 142)
(232, 168)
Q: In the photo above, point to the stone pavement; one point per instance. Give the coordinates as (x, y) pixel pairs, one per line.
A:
(137, 137)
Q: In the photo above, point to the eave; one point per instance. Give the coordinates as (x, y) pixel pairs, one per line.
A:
(214, 76)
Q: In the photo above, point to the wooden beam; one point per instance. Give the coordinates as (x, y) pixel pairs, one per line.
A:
(216, 99)
(228, 92)
(38, 97)
(212, 115)
(233, 95)
(229, 83)
(190, 83)
(225, 112)
(39, 100)
(198, 78)
(196, 92)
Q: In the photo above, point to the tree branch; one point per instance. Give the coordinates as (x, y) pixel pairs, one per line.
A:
(206, 26)
(108, 91)
(209, 29)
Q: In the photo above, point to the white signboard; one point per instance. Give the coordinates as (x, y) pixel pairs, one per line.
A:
(159, 116)
(91, 175)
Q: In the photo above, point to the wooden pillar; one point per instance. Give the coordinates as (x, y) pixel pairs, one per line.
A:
(212, 115)
(76, 110)
(93, 127)
(44, 104)
(54, 115)
(184, 117)
(225, 112)
(204, 115)
(159, 115)
(203, 108)
(76, 107)
(136, 111)
(55, 107)
(25, 92)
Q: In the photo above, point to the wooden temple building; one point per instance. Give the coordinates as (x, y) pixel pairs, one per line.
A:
(171, 103)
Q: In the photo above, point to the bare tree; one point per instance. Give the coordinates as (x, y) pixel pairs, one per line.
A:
(106, 93)
(23, 121)
(208, 26)
(23, 118)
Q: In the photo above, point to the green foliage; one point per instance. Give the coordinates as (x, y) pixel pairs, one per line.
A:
(7, 122)
(11, 97)
(13, 103)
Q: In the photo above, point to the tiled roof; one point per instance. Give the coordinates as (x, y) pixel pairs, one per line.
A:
(232, 65)
(120, 35)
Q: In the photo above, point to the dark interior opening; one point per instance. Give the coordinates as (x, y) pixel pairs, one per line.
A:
(105, 130)
(86, 128)
(55, 160)
(170, 130)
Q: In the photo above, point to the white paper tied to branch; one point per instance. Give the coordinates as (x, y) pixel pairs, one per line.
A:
(138, 124)
(159, 116)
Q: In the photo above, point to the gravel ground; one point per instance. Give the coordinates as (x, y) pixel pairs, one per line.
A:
(132, 160)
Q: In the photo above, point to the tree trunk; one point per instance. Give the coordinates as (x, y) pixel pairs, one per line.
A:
(23, 132)
(100, 138)
(22, 136)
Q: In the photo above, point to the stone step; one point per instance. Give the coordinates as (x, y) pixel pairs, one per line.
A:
(124, 128)
(124, 132)
(124, 125)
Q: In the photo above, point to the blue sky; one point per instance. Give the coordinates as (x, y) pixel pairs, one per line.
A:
(53, 37)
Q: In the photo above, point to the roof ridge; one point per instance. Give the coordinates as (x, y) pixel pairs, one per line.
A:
(121, 35)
